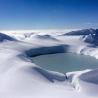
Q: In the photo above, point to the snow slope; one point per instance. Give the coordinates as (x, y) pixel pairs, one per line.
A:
(20, 78)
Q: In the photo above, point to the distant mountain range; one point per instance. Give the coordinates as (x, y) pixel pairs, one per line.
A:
(83, 32)
(88, 35)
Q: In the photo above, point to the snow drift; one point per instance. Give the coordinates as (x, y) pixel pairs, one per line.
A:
(4, 37)
(20, 78)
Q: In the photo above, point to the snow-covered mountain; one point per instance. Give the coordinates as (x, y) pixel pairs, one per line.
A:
(21, 78)
(82, 32)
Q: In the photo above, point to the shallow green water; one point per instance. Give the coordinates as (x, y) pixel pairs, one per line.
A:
(65, 62)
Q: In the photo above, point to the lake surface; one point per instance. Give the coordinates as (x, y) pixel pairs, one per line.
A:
(65, 62)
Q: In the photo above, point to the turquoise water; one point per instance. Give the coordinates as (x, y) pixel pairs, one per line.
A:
(65, 62)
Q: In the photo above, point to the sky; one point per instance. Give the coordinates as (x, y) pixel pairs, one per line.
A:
(48, 14)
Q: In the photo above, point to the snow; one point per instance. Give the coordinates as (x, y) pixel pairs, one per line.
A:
(5, 37)
(20, 78)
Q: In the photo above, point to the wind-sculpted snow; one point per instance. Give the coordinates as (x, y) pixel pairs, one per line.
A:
(88, 82)
(51, 76)
(47, 50)
(46, 37)
(4, 37)
(90, 76)
(21, 78)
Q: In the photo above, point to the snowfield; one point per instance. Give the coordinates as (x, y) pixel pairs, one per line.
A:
(20, 78)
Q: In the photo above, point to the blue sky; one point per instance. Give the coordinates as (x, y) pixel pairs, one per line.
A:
(48, 14)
